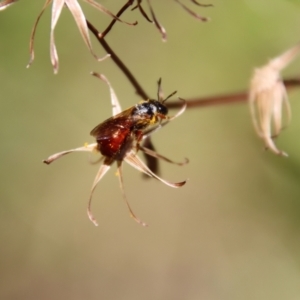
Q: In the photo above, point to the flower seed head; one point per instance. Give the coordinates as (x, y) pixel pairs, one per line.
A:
(268, 96)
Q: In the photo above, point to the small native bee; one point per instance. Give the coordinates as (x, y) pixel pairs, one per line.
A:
(119, 138)
(116, 135)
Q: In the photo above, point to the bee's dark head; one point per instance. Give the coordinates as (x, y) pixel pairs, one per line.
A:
(158, 107)
(152, 108)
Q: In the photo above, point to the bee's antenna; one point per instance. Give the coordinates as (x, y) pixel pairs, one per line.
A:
(160, 95)
(169, 96)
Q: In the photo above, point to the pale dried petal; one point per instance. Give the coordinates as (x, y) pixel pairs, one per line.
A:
(86, 148)
(277, 108)
(56, 11)
(192, 13)
(102, 171)
(281, 61)
(254, 112)
(132, 159)
(265, 108)
(116, 106)
(80, 20)
(287, 106)
(132, 215)
(157, 24)
(267, 97)
(32, 36)
(6, 3)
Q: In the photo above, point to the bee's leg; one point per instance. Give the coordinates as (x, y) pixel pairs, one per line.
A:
(95, 161)
(139, 135)
(120, 175)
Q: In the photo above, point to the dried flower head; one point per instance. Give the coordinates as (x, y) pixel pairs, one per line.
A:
(153, 18)
(267, 97)
(118, 138)
(76, 11)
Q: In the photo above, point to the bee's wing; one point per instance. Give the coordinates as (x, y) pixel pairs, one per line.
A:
(105, 128)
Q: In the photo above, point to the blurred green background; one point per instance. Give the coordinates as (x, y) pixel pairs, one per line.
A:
(233, 232)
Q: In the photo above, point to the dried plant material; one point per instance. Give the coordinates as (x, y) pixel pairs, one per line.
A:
(106, 11)
(160, 28)
(6, 3)
(268, 96)
(79, 17)
(118, 139)
(142, 11)
(200, 4)
(191, 12)
(158, 25)
(120, 12)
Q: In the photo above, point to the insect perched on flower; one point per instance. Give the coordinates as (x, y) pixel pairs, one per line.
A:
(119, 137)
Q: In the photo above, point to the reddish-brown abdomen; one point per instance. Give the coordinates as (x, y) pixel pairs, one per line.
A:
(113, 138)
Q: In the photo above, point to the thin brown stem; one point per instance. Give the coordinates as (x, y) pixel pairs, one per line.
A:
(209, 101)
(240, 97)
(291, 82)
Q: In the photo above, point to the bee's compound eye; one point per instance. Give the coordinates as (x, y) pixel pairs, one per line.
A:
(162, 109)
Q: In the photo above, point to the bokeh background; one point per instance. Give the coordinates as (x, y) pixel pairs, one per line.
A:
(233, 232)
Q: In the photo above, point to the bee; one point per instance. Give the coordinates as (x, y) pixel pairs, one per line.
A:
(116, 135)
(119, 138)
